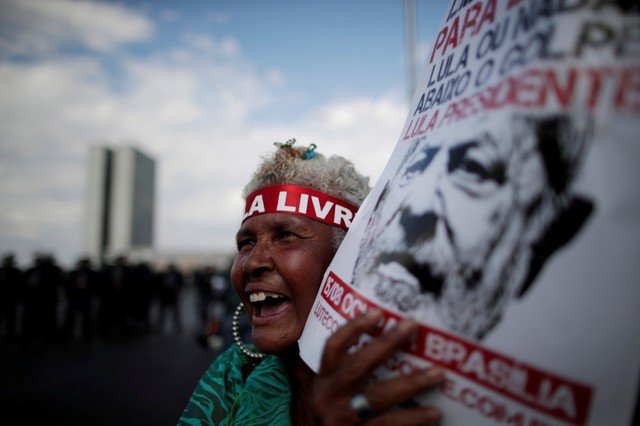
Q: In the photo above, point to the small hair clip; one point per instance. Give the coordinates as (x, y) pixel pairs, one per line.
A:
(310, 153)
(307, 154)
(287, 146)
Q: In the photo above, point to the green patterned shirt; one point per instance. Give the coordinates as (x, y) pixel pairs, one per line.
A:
(223, 397)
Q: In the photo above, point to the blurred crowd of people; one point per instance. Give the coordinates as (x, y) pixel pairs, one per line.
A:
(45, 302)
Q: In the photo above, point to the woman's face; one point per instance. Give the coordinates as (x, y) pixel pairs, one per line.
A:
(278, 269)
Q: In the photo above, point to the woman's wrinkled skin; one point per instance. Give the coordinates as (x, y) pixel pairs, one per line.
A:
(280, 264)
(285, 255)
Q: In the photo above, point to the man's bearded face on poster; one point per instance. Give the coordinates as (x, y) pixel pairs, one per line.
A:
(468, 230)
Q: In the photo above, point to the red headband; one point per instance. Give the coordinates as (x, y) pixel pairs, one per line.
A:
(294, 199)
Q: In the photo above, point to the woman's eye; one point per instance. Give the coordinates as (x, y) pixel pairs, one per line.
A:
(286, 234)
(244, 243)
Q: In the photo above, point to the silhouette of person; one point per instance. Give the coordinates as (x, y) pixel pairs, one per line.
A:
(171, 284)
(41, 298)
(202, 279)
(80, 287)
(11, 289)
(142, 288)
(113, 309)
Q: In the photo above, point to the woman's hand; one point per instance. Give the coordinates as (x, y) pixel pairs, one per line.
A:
(344, 375)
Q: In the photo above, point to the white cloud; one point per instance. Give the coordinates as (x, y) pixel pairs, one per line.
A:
(225, 47)
(38, 27)
(275, 77)
(219, 18)
(195, 114)
(363, 130)
(169, 15)
(229, 46)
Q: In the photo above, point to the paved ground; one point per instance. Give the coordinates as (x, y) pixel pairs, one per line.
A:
(139, 382)
(132, 381)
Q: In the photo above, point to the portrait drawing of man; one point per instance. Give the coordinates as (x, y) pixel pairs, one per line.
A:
(470, 218)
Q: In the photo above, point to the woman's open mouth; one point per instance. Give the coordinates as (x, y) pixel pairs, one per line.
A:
(266, 304)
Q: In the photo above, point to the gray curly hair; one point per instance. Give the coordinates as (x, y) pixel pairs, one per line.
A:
(334, 175)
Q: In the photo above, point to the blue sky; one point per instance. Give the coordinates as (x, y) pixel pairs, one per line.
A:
(204, 87)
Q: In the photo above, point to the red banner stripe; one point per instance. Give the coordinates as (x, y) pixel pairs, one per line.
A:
(546, 392)
(294, 199)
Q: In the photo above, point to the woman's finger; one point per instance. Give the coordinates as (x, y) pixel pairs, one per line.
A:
(388, 393)
(345, 337)
(366, 359)
(408, 416)
(380, 399)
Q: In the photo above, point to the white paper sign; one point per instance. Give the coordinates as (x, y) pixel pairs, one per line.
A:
(507, 220)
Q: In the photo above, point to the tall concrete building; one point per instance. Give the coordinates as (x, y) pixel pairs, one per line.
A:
(120, 202)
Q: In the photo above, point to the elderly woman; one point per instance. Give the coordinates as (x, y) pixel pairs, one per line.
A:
(283, 251)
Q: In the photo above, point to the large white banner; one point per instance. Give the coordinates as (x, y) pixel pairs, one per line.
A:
(507, 220)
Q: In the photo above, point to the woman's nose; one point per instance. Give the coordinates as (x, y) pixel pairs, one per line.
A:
(259, 260)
